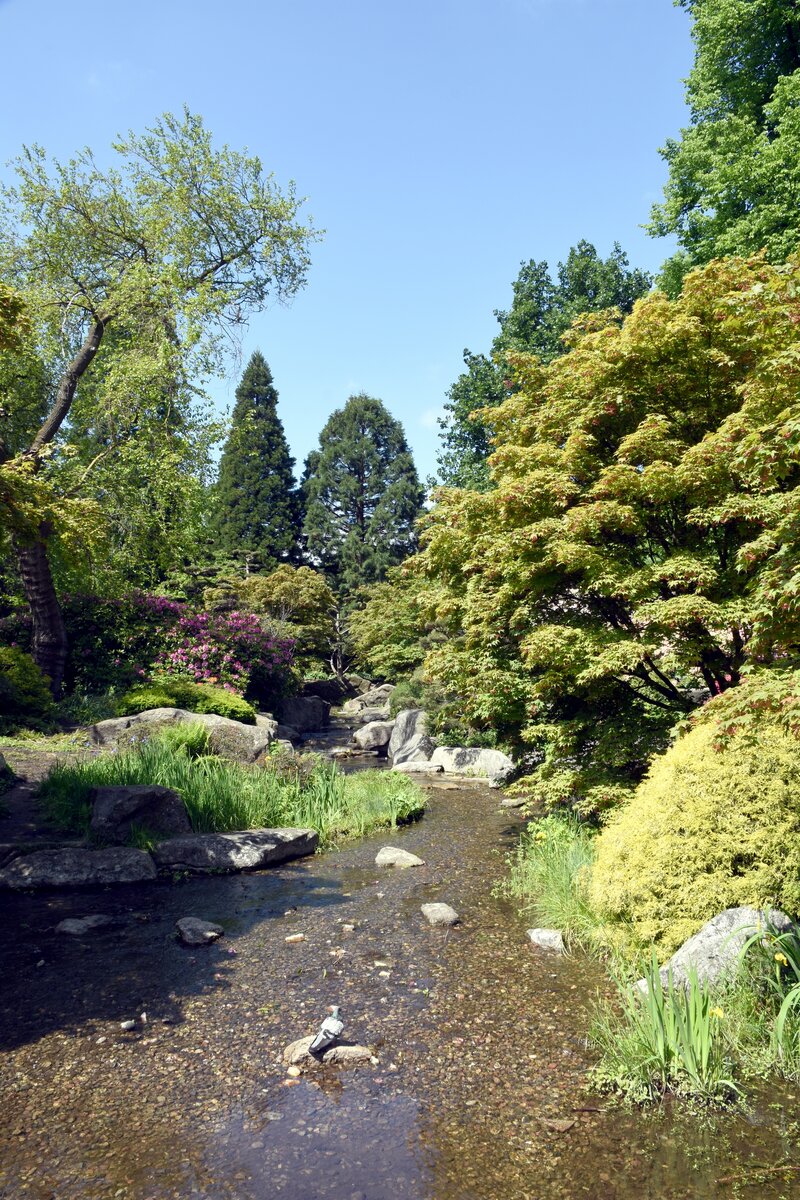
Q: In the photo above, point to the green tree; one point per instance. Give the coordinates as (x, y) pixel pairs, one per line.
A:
(541, 312)
(135, 278)
(631, 556)
(362, 495)
(256, 507)
(734, 173)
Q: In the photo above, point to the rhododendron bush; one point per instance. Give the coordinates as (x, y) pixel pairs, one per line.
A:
(234, 649)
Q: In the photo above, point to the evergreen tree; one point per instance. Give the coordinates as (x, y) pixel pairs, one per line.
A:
(362, 495)
(257, 513)
(541, 312)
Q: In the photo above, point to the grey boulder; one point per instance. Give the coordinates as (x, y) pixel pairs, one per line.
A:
(391, 856)
(713, 951)
(229, 739)
(374, 736)
(461, 760)
(77, 867)
(410, 741)
(440, 914)
(242, 851)
(116, 810)
(194, 932)
(305, 713)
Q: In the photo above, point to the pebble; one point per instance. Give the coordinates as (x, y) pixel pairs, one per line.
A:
(294, 937)
(293, 1072)
(127, 1025)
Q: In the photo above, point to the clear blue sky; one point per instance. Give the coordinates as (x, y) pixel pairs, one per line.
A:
(440, 143)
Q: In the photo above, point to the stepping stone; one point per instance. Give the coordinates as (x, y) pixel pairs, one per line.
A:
(390, 856)
(195, 932)
(440, 914)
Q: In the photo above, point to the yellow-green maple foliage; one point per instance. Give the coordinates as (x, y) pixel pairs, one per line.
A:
(634, 547)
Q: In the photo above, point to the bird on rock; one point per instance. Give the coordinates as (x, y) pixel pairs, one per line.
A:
(328, 1032)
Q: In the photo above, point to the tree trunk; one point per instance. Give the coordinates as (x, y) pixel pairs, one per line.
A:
(49, 647)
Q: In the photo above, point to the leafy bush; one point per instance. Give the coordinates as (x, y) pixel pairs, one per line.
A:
(173, 692)
(25, 697)
(113, 641)
(235, 649)
(221, 796)
(715, 824)
(664, 1039)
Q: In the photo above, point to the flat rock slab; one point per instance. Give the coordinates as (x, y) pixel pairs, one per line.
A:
(513, 801)
(248, 850)
(418, 767)
(342, 1052)
(547, 939)
(194, 932)
(77, 867)
(470, 760)
(391, 856)
(79, 925)
(440, 914)
(117, 810)
(231, 739)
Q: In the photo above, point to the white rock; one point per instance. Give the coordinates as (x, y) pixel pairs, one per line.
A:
(391, 856)
(78, 925)
(440, 914)
(418, 767)
(548, 939)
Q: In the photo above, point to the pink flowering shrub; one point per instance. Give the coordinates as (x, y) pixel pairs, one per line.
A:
(232, 649)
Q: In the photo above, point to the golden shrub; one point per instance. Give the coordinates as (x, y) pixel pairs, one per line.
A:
(714, 824)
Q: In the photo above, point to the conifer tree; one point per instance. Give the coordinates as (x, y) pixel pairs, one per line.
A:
(257, 514)
(362, 495)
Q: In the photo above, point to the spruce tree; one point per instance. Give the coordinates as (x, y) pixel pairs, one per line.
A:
(362, 495)
(257, 513)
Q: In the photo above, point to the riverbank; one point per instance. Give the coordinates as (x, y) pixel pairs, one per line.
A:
(479, 1090)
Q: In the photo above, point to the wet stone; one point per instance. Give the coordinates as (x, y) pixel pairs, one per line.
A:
(342, 1052)
(440, 914)
(391, 856)
(195, 932)
(547, 939)
(79, 925)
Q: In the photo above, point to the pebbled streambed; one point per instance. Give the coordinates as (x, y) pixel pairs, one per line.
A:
(479, 1091)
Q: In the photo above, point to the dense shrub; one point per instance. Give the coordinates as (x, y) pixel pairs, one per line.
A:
(113, 641)
(24, 691)
(235, 649)
(183, 693)
(716, 823)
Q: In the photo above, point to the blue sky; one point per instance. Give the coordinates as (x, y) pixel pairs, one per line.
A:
(439, 144)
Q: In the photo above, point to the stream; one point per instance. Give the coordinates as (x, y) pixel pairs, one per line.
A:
(479, 1091)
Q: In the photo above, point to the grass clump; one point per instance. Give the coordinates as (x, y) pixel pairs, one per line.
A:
(663, 1039)
(549, 873)
(222, 796)
(172, 692)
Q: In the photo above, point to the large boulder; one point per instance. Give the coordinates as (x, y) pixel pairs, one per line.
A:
(77, 867)
(242, 851)
(117, 810)
(714, 949)
(374, 736)
(305, 713)
(460, 760)
(372, 705)
(227, 738)
(410, 741)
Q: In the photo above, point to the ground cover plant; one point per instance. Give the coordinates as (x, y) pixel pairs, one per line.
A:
(174, 692)
(223, 796)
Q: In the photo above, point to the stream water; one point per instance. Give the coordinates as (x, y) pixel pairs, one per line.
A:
(479, 1091)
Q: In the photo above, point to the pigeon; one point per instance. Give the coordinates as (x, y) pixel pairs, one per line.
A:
(329, 1031)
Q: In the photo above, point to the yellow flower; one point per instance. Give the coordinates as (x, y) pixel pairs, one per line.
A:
(716, 1012)
(539, 836)
(782, 959)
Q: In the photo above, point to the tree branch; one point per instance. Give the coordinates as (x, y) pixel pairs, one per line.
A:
(67, 387)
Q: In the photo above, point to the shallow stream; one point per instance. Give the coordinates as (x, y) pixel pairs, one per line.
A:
(479, 1036)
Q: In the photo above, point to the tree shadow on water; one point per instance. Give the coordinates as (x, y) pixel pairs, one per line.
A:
(52, 981)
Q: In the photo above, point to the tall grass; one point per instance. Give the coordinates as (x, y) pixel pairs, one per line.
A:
(663, 1039)
(221, 796)
(549, 873)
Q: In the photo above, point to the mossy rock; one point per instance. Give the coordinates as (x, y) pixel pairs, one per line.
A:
(714, 825)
